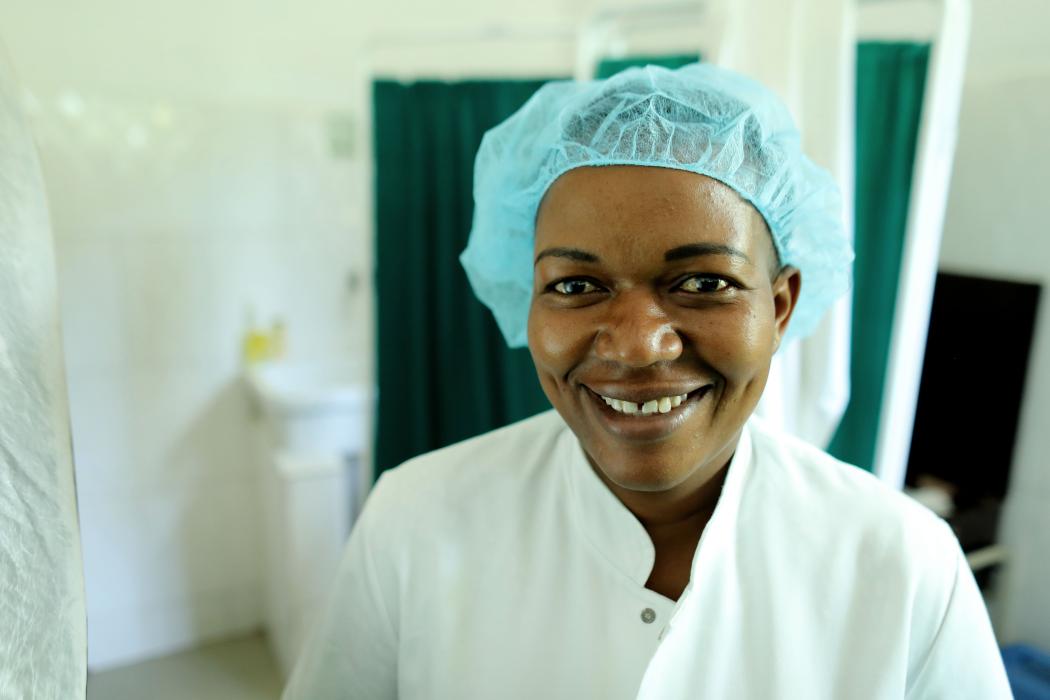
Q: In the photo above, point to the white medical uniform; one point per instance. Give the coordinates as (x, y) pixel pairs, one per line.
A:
(502, 568)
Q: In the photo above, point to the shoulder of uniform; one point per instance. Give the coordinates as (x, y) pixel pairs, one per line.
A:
(461, 470)
(853, 503)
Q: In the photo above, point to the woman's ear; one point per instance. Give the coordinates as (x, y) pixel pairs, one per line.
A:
(786, 287)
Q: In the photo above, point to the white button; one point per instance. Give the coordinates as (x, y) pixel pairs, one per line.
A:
(648, 615)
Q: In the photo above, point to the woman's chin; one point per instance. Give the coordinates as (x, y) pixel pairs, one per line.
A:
(643, 479)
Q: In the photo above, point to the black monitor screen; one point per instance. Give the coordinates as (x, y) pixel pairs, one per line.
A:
(973, 379)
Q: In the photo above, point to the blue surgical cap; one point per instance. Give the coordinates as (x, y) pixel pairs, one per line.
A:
(698, 118)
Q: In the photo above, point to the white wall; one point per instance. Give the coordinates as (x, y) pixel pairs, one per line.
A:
(170, 221)
(997, 226)
(181, 194)
(187, 155)
(238, 50)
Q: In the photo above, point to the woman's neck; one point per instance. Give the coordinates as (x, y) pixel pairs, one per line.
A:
(675, 519)
(681, 504)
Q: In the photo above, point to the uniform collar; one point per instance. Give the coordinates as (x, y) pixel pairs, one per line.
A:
(618, 536)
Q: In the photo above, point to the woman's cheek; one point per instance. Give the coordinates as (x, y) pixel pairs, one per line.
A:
(732, 343)
(556, 338)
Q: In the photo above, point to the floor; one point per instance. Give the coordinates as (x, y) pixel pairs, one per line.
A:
(241, 669)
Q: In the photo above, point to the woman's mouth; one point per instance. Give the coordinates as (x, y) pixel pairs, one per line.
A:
(646, 417)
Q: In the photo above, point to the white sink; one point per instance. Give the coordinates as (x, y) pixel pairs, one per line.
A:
(313, 409)
(316, 423)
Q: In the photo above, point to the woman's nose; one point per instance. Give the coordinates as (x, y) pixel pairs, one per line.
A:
(637, 332)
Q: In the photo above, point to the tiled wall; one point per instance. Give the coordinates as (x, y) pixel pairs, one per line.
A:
(172, 220)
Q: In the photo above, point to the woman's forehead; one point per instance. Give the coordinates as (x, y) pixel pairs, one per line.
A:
(643, 212)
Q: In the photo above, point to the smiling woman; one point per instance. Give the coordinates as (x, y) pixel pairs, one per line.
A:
(654, 239)
(654, 318)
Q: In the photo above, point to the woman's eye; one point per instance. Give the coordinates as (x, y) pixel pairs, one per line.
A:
(703, 284)
(574, 287)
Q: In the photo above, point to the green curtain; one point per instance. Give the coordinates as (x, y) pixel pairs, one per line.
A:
(611, 66)
(444, 372)
(891, 78)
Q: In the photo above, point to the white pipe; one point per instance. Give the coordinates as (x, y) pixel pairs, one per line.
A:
(604, 34)
(881, 20)
(494, 32)
(984, 557)
(592, 43)
(929, 195)
(648, 10)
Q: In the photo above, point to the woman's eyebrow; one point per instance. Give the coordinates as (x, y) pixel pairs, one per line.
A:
(570, 253)
(697, 249)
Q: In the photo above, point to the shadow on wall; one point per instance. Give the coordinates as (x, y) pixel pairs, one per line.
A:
(171, 551)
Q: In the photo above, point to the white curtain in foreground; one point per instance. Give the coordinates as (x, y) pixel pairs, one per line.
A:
(805, 50)
(42, 625)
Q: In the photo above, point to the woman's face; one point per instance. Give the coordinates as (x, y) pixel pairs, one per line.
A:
(656, 291)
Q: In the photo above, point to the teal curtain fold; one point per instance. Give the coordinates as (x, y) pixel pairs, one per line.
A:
(891, 79)
(612, 66)
(444, 371)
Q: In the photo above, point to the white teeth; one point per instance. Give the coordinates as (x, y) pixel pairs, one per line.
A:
(664, 404)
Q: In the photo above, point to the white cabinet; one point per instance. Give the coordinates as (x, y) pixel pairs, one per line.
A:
(311, 439)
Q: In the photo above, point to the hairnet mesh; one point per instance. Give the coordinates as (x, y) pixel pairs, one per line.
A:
(698, 118)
